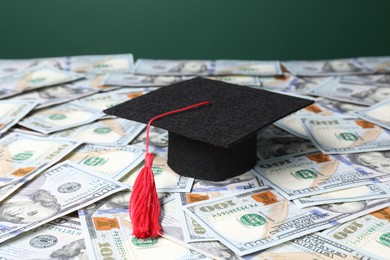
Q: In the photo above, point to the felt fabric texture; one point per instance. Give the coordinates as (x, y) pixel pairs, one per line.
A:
(209, 162)
(235, 113)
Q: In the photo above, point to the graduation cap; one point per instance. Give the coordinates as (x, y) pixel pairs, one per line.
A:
(216, 138)
(214, 142)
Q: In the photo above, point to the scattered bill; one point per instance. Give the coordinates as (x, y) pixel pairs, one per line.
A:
(108, 235)
(352, 93)
(61, 238)
(239, 80)
(158, 141)
(333, 135)
(131, 80)
(368, 192)
(103, 100)
(305, 175)
(274, 142)
(369, 235)
(381, 79)
(166, 179)
(99, 64)
(207, 67)
(22, 157)
(11, 111)
(263, 218)
(58, 191)
(33, 78)
(110, 132)
(305, 84)
(325, 67)
(113, 162)
(55, 95)
(292, 123)
(278, 83)
(338, 106)
(376, 64)
(60, 117)
(378, 114)
(310, 247)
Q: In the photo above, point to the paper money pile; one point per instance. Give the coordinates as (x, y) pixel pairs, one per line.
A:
(320, 190)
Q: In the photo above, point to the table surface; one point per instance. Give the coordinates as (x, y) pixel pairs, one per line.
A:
(174, 29)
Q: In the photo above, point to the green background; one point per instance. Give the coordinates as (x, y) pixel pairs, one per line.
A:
(173, 29)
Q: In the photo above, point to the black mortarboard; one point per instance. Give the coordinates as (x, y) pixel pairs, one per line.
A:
(212, 142)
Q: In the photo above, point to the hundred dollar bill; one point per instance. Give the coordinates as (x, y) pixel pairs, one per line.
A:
(60, 190)
(305, 84)
(95, 82)
(114, 162)
(131, 80)
(55, 95)
(61, 238)
(278, 83)
(109, 132)
(376, 64)
(239, 80)
(378, 79)
(101, 64)
(8, 66)
(305, 175)
(103, 100)
(60, 117)
(246, 67)
(165, 178)
(158, 141)
(274, 142)
(325, 67)
(378, 114)
(11, 111)
(172, 230)
(207, 67)
(292, 123)
(334, 135)
(108, 235)
(23, 157)
(369, 234)
(310, 247)
(352, 93)
(368, 192)
(375, 163)
(263, 218)
(33, 78)
(338, 106)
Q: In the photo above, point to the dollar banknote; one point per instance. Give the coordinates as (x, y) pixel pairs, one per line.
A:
(10, 66)
(334, 135)
(278, 83)
(378, 79)
(292, 123)
(311, 247)
(306, 175)
(369, 234)
(352, 93)
(377, 164)
(108, 235)
(158, 141)
(339, 106)
(207, 67)
(104, 100)
(96, 82)
(11, 111)
(240, 80)
(376, 64)
(172, 230)
(165, 178)
(263, 218)
(274, 142)
(113, 162)
(367, 192)
(23, 157)
(58, 191)
(99, 64)
(61, 238)
(378, 114)
(305, 84)
(60, 117)
(55, 95)
(325, 67)
(33, 78)
(131, 80)
(109, 132)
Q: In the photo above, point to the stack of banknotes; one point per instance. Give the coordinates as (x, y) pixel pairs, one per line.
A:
(320, 189)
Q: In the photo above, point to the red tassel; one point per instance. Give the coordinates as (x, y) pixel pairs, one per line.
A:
(144, 203)
(144, 208)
